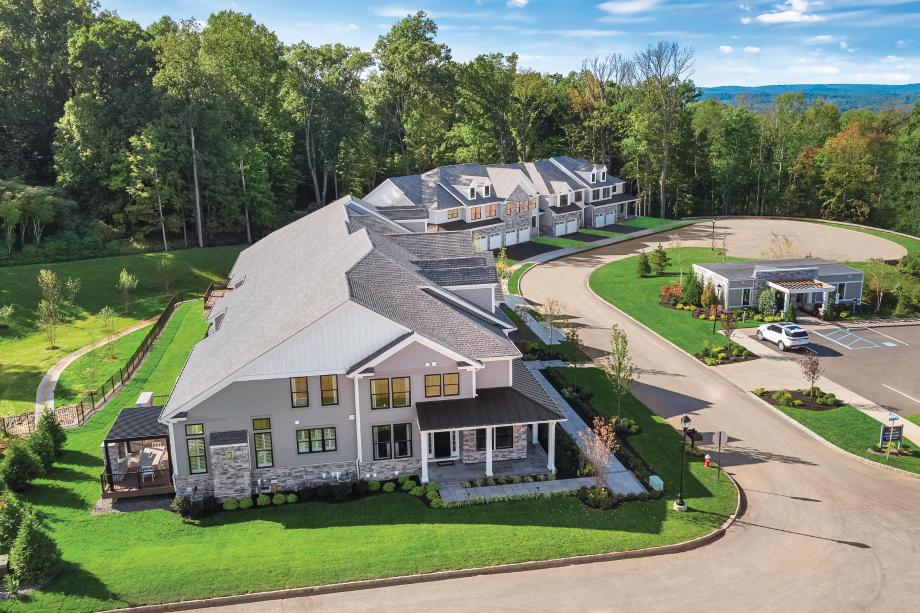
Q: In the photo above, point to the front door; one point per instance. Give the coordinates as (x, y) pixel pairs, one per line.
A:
(443, 445)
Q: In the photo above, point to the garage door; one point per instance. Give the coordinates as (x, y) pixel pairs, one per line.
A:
(482, 244)
(511, 238)
(560, 229)
(495, 241)
(571, 226)
(598, 220)
(524, 236)
(611, 218)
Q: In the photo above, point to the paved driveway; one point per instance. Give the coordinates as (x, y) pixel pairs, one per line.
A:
(822, 532)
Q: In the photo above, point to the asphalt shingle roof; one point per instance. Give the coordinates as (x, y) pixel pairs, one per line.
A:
(228, 437)
(134, 423)
(740, 271)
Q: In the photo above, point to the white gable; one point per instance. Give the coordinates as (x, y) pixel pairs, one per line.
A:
(339, 340)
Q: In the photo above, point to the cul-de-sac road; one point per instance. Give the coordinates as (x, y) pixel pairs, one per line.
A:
(822, 531)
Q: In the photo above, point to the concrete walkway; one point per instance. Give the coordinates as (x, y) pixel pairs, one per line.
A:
(454, 492)
(44, 395)
(543, 332)
(775, 370)
(620, 480)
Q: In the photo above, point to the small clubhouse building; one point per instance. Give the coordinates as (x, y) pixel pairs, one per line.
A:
(807, 282)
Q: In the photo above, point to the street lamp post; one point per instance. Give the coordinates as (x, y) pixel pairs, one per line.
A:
(679, 504)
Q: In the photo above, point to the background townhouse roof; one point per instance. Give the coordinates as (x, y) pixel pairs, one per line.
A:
(403, 213)
(576, 165)
(548, 178)
(461, 225)
(301, 272)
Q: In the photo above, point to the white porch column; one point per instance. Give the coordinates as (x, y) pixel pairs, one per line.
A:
(551, 448)
(490, 432)
(534, 438)
(424, 437)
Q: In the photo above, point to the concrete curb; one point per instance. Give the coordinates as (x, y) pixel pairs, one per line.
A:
(806, 219)
(351, 586)
(801, 427)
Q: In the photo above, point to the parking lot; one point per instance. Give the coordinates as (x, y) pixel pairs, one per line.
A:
(881, 364)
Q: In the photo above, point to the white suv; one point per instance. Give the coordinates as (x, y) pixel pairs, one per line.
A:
(786, 335)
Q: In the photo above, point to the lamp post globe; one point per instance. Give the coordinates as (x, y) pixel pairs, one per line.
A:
(680, 504)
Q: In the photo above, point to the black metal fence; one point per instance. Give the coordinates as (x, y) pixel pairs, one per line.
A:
(76, 415)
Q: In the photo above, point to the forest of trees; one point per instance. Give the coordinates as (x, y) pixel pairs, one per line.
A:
(181, 134)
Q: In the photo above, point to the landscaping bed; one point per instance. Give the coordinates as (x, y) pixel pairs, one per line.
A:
(800, 399)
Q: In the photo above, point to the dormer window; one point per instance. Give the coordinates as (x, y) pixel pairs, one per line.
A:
(593, 177)
(487, 191)
(472, 192)
(603, 176)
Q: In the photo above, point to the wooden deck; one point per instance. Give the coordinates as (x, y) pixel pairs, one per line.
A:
(147, 491)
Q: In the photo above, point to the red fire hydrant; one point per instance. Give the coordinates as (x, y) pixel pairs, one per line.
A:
(707, 460)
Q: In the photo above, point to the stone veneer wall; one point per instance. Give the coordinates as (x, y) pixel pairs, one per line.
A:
(118, 466)
(186, 484)
(229, 466)
(551, 229)
(294, 477)
(469, 455)
(386, 469)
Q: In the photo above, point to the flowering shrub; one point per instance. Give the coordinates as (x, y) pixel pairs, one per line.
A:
(670, 294)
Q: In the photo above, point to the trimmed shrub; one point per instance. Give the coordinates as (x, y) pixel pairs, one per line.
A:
(263, 500)
(434, 485)
(341, 491)
(417, 491)
(433, 495)
(19, 467)
(692, 291)
(437, 503)
(407, 485)
(291, 498)
(759, 391)
(246, 503)
(11, 585)
(643, 265)
(373, 486)
(49, 424)
(403, 478)
(41, 444)
(324, 491)
(230, 505)
(180, 505)
(279, 499)
(782, 397)
(798, 403)
(34, 556)
(12, 512)
(389, 487)
(361, 487)
(789, 313)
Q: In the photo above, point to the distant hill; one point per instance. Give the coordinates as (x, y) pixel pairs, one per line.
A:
(845, 96)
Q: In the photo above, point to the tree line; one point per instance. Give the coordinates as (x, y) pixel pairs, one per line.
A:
(182, 134)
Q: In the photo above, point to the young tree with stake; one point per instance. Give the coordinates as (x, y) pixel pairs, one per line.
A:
(126, 284)
(598, 445)
(618, 367)
(811, 370)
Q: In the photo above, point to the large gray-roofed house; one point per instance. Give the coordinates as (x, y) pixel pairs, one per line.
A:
(332, 328)
(807, 282)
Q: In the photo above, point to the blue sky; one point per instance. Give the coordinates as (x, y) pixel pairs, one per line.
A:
(737, 42)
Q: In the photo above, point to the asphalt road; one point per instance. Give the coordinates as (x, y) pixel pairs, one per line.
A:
(822, 532)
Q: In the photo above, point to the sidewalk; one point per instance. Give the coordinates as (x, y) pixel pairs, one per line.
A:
(619, 479)
(536, 326)
(775, 371)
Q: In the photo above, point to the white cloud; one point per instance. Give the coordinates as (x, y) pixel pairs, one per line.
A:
(815, 69)
(744, 7)
(750, 49)
(890, 59)
(518, 4)
(627, 7)
(745, 20)
(843, 45)
(823, 39)
(726, 49)
(791, 11)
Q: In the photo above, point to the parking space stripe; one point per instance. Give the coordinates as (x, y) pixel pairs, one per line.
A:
(886, 335)
(902, 393)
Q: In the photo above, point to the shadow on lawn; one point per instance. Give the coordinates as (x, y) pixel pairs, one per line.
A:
(73, 581)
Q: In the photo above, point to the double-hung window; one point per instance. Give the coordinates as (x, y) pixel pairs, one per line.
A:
(451, 384)
(300, 393)
(595, 194)
(383, 446)
(262, 438)
(508, 208)
(453, 213)
(432, 386)
(316, 440)
(380, 393)
(197, 454)
(606, 192)
(491, 210)
(502, 438)
(471, 193)
(475, 212)
(563, 199)
(577, 197)
(487, 190)
(329, 389)
(603, 176)
(402, 391)
(402, 440)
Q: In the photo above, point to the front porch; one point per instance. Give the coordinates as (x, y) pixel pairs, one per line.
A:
(455, 471)
(801, 292)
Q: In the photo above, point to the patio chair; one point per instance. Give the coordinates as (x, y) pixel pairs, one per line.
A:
(147, 471)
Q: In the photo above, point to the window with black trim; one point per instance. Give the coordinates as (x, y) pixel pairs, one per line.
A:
(197, 456)
(263, 442)
(380, 393)
(432, 386)
(329, 389)
(606, 192)
(481, 439)
(194, 429)
(452, 384)
(402, 440)
(300, 394)
(316, 440)
(603, 176)
(382, 442)
(504, 437)
(472, 192)
(487, 190)
(595, 194)
(577, 197)
(402, 391)
(563, 199)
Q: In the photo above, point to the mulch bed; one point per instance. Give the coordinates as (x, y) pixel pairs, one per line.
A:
(808, 402)
(730, 358)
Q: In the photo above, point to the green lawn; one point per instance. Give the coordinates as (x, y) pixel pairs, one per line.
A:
(515, 280)
(710, 500)
(604, 233)
(914, 418)
(647, 222)
(119, 560)
(102, 362)
(617, 284)
(851, 430)
(24, 356)
(560, 242)
(911, 244)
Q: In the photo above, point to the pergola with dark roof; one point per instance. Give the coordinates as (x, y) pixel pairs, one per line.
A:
(136, 424)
